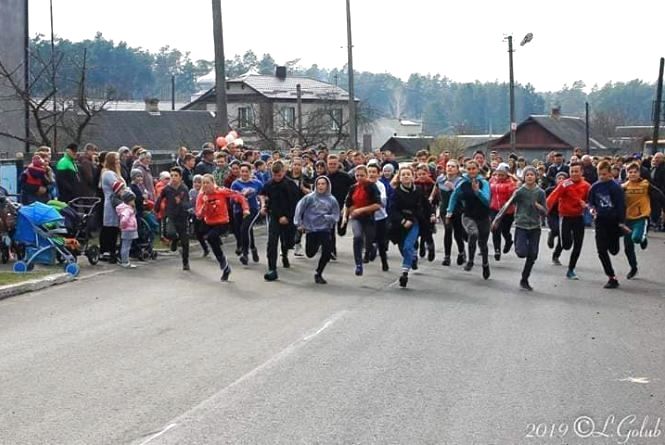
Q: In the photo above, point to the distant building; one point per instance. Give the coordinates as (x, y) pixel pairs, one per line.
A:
(384, 128)
(263, 109)
(12, 44)
(407, 147)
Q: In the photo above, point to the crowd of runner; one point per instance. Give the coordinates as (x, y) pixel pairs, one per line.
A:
(310, 197)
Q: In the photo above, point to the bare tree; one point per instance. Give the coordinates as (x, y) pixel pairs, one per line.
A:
(451, 144)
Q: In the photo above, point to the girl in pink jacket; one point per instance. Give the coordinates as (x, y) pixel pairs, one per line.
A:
(128, 227)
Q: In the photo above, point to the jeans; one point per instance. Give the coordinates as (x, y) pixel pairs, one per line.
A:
(571, 229)
(125, 246)
(316, 240)
(526, 246)
(409, 247)
(364, 232)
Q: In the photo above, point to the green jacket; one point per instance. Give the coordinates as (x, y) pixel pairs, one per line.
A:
(68, 179)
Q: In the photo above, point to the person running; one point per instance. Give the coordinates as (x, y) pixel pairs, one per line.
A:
(282, 196)
(199, 226)
(571, 197)
(426, 185)
(554, 237)
(212, 207)
(316, 215)
(176, 197)
(406, 215)
(445, 184)
(341, 183)
(530, 205)
(304, 183)
(362, 201)
(639, 193)
(380, 219)
(473, 194)
(250, 188)
(607, 205)
(502, 187)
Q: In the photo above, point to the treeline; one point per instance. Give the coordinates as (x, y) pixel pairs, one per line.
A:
(444, 106)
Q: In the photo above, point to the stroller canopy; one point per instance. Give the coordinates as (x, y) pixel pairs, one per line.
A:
(35, 214)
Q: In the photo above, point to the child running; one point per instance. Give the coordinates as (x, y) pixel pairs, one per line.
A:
(426, 185)
(176, 197)
(380, 219)
(530, 205)
(199, 226)
(502, 187)
(446, 183)
(554, 237)
(213, 208)
(250, 188)
(316, 215)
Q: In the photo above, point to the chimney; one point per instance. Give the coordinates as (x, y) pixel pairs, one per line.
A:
(556, 112)
(280, 72)
(152, 105)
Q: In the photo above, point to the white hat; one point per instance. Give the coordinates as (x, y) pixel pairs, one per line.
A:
(503, 168)
(164, 175)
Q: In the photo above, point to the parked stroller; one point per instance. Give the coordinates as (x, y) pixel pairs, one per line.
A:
(40, 228)
(142, 247)
(80, 223)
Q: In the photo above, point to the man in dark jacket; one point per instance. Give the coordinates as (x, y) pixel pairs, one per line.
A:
(67, 175)
(87, 164)
(557, 167)
(341, 183)
(207, 164)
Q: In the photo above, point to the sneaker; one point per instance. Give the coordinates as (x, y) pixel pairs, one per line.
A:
(611, 284)
(632, 274)
(414, 265)
(359, 270)
(333, 256)
(318, 279)
(403, 279)
(524, 284)
(555, 261)
(486, 271)
(366, 258)
(430, 253)
(206, 252)
(461, 258)
(285, 262)
(174, 245)
(238, 251)
(298, 250)
(497, 255)
(421, 250)
(571, 275)
(468, 266)
(226, 273)
(446, 261)
(508, 246)
(243, 259)
(271, 275)
(550, 240)
(185, 266)
(371, 256)
(255, 255)
(127, 265)
(644, 243)
(384, 266)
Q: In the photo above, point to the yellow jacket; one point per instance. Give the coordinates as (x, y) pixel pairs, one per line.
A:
(638, 201)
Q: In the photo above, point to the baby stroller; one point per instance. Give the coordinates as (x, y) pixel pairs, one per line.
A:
(40, 229)
(142, 246)
(8, 214)
(80, 220)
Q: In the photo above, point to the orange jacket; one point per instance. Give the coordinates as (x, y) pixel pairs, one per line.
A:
(213, 208)
(571, 197)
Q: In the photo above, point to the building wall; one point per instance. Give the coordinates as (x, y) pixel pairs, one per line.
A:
(12, 35)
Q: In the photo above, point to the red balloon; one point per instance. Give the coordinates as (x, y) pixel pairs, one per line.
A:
(221, 142)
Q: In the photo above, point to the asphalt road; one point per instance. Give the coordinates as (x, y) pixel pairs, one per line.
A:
(160, 356)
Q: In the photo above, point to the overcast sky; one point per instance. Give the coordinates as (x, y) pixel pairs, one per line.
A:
(573, 40)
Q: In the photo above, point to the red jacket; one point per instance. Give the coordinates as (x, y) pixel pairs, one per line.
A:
(501, 191)
(571, 197)
(213, 207)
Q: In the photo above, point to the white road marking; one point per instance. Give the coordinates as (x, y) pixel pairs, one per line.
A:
(641, 380)
(155, 436)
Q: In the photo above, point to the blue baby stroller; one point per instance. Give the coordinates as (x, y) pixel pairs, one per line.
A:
(40, 229)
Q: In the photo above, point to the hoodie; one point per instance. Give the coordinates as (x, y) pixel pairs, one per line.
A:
(474, 204)
(317, 212)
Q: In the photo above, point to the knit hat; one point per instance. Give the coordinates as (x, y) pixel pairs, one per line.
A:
(564, 174)
(118, 186)
(529, 169)
(164, 175)
(135, 173)
(37, 161)
(503, 168)
(128, 197)
(389, 168)
(123, 149)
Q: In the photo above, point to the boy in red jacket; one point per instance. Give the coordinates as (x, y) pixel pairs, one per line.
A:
(571, 197)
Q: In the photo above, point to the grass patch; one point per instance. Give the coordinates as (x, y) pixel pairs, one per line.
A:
(13, 278)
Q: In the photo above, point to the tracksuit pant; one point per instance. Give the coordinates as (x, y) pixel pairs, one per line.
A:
(502, 231)
(478, 230)
(454, 230)
(637, 236)
(571, 229)
(527, 242)
(319, 240)
(282, 234)
(608, 236)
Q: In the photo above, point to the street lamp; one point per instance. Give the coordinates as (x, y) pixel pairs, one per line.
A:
(513, 125)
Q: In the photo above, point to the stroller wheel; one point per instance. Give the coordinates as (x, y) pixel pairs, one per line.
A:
(153, 255)
(20, 267)
(92, 253)
(72, 269)
(145, 255)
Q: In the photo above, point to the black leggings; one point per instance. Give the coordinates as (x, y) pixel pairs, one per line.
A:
(502, 231)
(381, 239)
(316, 240)
(214, 238)
(608, 236)
(572, 235)
(108, 241)
(478, 230)
(453, 230)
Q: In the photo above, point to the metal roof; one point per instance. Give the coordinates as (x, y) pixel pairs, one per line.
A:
(276, 88)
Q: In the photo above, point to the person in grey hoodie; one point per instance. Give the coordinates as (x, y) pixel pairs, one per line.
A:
(316, 215)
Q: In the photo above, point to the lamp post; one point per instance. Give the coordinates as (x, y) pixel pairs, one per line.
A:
(513, 125)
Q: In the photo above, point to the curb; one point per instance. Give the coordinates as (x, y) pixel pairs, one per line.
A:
(12, 290)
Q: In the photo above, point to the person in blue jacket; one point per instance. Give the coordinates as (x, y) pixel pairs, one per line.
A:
(250, 188)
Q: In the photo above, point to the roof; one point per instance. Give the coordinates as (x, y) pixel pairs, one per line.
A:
(407, 145)
(569, 129)
(274, 88)
(163, 131)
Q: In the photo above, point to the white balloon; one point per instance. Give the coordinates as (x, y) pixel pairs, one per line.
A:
(230, 138)
(238, 142)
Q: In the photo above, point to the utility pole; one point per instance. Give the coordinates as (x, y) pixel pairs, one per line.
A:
(220, 75)
(513, 125)
(353, 130)
(172, 92)
(656, 108)
(586, 119)
(55, 103)
(26, 77)
(299, 105)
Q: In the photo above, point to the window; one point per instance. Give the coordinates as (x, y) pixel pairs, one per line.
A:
(288, 115)
(245, 117)
(336, 119)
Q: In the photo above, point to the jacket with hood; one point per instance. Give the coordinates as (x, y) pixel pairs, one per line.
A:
(474, 204)
(68, 179)
(317, 212)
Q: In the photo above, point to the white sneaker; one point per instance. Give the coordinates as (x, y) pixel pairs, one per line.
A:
(128, 265)
(298, 250)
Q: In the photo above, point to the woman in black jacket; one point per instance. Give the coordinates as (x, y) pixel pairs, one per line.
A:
(406, 217)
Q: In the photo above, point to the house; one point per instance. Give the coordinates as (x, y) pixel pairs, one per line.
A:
(539, 134)
(13, 23)
(264, 109)
(407, 147)
(384, 128)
